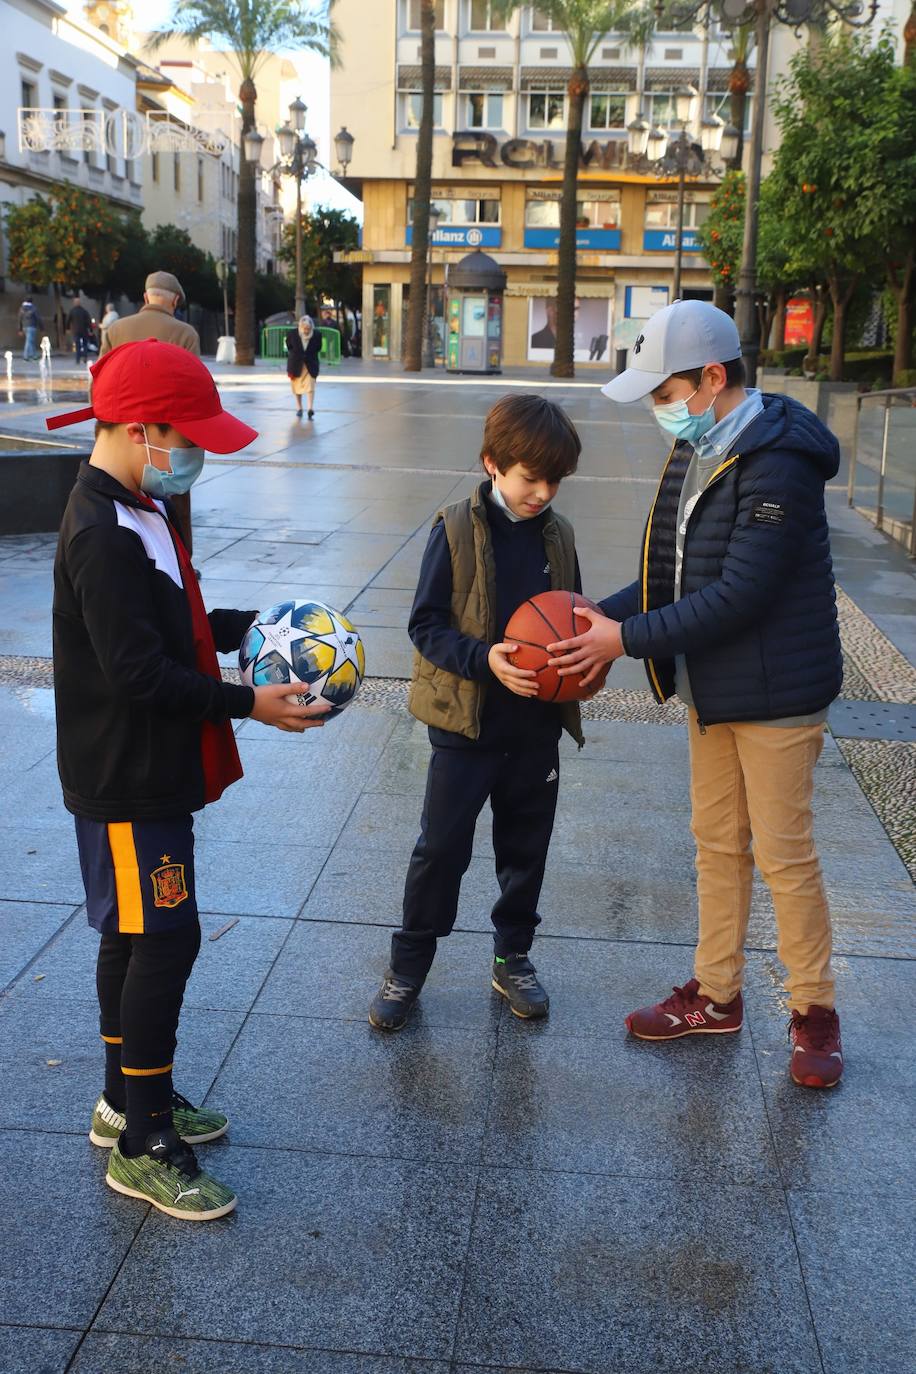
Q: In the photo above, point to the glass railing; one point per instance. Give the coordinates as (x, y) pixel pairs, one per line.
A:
(882, 471)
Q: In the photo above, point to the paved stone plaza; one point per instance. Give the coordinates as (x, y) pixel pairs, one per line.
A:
(474, 1194)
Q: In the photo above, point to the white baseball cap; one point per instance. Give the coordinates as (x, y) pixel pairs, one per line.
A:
(684, 335)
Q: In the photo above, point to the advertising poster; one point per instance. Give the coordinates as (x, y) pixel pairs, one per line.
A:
(799, 322)
(592, 329)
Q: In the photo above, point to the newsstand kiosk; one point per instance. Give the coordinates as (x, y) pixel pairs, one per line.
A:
(474, 314)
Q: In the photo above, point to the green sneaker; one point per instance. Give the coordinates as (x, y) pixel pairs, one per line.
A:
(168, 1176)
(195, 1125)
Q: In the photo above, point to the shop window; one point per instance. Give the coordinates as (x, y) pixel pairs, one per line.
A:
(546, 110)
(661, 211)
(590, 213)
(461, 211)
(413, 14)
(412, 109)
(484, 111)
(607, 111)
(483, 15)
(381, 321)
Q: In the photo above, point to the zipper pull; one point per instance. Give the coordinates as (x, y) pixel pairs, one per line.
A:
(701, 726)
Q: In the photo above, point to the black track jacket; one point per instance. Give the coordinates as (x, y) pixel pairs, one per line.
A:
(129, 698)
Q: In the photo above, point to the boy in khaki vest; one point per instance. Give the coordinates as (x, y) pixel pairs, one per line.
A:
(490, 737)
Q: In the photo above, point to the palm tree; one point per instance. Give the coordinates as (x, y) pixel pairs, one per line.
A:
(419, 241)
(739, 82)
(252, 31)
(585, 23)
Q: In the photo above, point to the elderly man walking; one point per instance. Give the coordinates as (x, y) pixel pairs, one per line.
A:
(156, 320)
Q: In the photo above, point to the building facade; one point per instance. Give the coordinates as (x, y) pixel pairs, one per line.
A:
(500, 115)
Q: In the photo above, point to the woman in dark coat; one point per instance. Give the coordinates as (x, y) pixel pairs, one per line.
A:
(302, 349)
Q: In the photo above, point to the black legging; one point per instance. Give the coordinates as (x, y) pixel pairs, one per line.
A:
(141, 981)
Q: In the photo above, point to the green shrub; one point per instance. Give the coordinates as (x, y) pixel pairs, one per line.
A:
(905, 378)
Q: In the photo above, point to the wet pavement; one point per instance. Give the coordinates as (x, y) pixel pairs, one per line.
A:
(473, 1194)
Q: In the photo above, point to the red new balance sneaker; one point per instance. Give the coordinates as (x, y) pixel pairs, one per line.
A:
(685, 1012)
(817, 1052)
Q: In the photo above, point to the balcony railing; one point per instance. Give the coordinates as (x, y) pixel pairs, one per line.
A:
(882, 470)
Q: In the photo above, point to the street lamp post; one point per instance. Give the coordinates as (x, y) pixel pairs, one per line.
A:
(435, 214)
(682, 156)
(793, 13)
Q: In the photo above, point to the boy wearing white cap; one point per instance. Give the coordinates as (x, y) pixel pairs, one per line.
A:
(734, 610)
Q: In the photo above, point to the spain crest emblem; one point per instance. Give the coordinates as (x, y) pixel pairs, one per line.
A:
(169, 886)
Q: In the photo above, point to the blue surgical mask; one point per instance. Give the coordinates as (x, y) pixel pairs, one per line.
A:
(185, 466)
(676, 419)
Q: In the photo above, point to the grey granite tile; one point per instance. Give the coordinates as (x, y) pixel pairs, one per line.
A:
(592, 1274)
(860, 1133)
(236, 878)
(307, 1257)
(300, 1084)
(457, 992)
(99, 1354)
(36, 1350)
(606, 1106)
(389, 652)
(226, 977)
(856, 1253)
(69, 1233)
(25, 928)
(58, 1097)
(40, 863)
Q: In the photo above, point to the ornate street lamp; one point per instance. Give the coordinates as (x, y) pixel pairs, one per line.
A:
(343, 147)
(764, 13)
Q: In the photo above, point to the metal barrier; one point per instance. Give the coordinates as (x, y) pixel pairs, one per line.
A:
(882, 469)
(273, 343)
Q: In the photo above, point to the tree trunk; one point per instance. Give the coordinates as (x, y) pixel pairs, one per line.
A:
(247, 230)
(779, 337)
(416, 312)
(841, 296)
(819, 300)
(563, 364)
(903, 289)
(722, 298)
(909, 38)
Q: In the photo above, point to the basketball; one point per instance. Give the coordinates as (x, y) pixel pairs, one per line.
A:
(309, 645)
(547, 619)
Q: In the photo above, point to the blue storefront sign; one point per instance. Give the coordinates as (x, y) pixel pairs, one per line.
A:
(585, 238)
(463, 236)
(655, 240)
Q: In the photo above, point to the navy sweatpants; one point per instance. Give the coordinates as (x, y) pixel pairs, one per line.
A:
(521, 784)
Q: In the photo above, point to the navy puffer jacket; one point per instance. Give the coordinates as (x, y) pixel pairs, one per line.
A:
(757, 616)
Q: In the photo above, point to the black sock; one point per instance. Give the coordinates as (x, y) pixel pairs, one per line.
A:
(115, 1093)
(149, 1108)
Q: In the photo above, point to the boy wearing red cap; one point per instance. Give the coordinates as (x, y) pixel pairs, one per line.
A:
(144, 739)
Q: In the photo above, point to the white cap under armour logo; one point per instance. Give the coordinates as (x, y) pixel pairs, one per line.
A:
(684, 335)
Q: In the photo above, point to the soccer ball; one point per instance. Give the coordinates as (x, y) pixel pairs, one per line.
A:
(307, 642)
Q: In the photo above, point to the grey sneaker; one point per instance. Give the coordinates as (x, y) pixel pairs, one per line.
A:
(515, 977)
(392, 1004)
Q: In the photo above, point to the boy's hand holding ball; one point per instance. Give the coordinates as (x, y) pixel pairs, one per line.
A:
(521, 681)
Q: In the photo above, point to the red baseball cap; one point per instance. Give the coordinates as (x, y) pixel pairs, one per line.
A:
(153, 382)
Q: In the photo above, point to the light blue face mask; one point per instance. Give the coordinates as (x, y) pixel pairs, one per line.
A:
(676, 419)
(185, 466)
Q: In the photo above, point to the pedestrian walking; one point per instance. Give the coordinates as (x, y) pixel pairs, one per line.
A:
(162, 295)
(144, 730)
(29, 325)
(303, 347)
(491, 738)
(79, 323)
(734, 610)
(109, 318)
